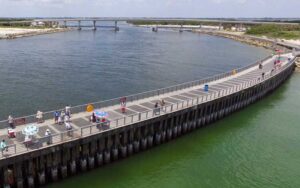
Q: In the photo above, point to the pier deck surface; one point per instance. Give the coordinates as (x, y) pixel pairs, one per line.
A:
(138, 110)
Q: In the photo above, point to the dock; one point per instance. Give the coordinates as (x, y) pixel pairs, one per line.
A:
(188, 106)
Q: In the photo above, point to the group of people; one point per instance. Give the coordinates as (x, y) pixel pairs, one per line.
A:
(63, 116)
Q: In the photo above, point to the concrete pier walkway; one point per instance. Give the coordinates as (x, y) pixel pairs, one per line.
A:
(141, 107)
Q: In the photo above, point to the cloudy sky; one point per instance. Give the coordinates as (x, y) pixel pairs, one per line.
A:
(150, 8)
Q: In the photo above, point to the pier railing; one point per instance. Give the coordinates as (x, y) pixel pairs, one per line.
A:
(131, 98)
(134, 118)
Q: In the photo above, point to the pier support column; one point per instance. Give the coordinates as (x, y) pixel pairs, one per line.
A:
(19, 175)
(116, 143)
(41, 171)
(85, 154)
(65, 24)
(130, 140)
(55, 163)
(30, 172)
(65, 159)
(93, 150)
(74, 157)
(8, 178)
(123, 145)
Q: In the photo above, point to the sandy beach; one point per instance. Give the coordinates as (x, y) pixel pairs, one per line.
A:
(11, 33)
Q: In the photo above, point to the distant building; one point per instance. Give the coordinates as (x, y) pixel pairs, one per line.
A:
(37, 24)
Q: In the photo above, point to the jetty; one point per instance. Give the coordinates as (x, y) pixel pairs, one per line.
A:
(143, 125)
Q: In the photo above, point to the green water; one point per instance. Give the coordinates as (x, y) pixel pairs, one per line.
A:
(256, 147)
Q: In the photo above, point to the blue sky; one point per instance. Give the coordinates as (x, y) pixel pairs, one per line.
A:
(150, 8)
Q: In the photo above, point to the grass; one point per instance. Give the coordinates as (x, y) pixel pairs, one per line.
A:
(276, 31)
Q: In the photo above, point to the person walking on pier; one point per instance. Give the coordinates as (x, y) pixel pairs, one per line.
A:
(11, 121)
(162, 104)
(68, 110)
(56, 115)
(156, 109)
(123, 104)
(93, 118)
(68, 128)
(3, 146)
(39, 116)
(48, 136)
(260, 66)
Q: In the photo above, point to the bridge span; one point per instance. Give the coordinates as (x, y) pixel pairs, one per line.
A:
(187, 106)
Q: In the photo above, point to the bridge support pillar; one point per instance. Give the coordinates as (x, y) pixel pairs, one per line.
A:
(65, 24)
(79, 25)
(116, 26)
(94, 25)
(181, 28)
(155, 29)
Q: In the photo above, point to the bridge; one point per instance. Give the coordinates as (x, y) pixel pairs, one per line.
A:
(63, 21)
(187, 106)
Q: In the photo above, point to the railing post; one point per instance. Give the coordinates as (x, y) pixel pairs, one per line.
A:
(197, 100)
(172, 108)
(140, 116)
(81, 130)
(124, 120)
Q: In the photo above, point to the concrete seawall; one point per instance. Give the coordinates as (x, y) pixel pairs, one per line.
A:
(53, 163)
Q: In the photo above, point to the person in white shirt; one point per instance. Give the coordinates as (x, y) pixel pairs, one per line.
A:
(67, 118)
(39, 116)
(68, 110)
(48, 136)
(68, 126)
(11, 121)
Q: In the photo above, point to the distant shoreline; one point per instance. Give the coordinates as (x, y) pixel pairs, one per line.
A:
(237, 36)
(13, 33)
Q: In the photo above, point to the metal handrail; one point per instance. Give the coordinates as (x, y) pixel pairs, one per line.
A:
(58, 138)
(134, 97)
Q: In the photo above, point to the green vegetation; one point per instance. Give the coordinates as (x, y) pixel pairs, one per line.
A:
(276, 31)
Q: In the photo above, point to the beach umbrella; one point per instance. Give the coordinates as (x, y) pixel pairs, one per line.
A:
(101, 114)
(30, 130)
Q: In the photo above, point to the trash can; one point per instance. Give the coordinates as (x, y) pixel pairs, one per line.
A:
(206, 87)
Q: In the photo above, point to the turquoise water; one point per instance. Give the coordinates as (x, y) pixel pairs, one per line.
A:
(255, 147)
